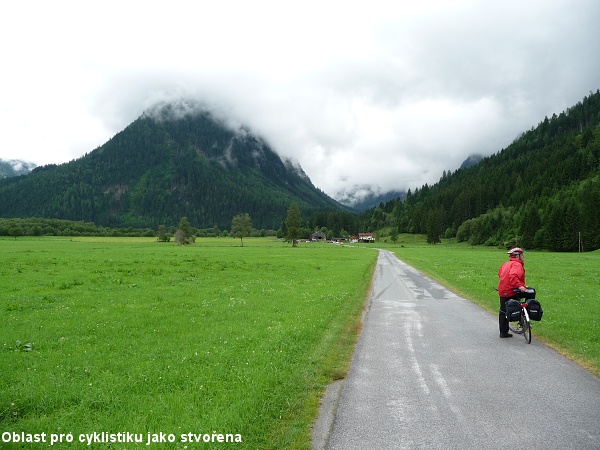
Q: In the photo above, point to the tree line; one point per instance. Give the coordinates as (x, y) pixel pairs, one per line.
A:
(294, 226)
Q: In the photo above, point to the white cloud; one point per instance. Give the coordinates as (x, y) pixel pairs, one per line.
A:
(386, 95)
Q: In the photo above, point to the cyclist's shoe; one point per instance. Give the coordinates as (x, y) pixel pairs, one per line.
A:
(505, 335)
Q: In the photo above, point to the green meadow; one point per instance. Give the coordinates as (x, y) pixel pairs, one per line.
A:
(217, 341)
(169, 342)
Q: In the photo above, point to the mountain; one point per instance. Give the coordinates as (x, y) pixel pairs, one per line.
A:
(471, 161)
(361, 198)
(540, 192)
(14, 167)
(176, 160)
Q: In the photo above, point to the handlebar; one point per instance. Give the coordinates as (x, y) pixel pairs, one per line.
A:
(527, 290)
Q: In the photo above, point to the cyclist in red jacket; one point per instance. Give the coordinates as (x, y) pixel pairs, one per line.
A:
(512, 276)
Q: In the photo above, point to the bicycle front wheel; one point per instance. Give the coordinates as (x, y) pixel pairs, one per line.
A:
(526, 327)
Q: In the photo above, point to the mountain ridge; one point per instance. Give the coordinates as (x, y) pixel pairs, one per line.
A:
(15, 167)
(171, 162)
(365, 197)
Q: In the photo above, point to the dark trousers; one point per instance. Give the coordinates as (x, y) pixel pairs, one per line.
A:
(502, 320)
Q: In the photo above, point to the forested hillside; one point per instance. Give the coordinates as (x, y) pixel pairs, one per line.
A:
(541, 192)
(163, 167)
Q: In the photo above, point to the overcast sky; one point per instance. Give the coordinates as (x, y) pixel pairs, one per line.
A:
(386, 94)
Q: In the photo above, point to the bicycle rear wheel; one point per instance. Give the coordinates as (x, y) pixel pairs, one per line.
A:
(526, 327)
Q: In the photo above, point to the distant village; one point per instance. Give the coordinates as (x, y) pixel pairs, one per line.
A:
(318, 236)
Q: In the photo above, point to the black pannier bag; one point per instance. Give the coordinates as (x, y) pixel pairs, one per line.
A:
(513, 310)
(529, 293)
(534, 309)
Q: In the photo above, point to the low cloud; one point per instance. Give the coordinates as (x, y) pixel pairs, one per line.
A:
(379, 98)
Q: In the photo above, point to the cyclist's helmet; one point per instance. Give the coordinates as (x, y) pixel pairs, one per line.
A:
(514, 252)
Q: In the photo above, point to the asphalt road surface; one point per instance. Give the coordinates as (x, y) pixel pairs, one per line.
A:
(430, 372)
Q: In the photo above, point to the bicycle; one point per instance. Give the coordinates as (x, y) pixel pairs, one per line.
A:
(522, 324)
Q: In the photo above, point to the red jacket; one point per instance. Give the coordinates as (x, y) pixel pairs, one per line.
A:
(512, 276)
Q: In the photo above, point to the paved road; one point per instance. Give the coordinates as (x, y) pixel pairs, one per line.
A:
(430, 372)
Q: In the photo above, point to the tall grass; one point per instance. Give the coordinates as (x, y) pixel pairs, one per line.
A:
(131, 335)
